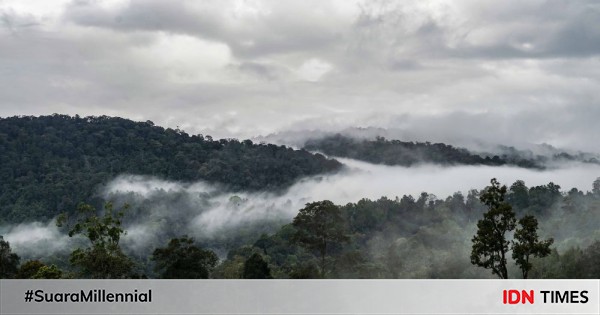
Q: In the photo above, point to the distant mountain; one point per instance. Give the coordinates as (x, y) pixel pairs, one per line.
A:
(48, 164)
(396, 152)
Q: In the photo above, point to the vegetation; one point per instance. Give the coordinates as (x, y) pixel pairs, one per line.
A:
(181, 259)
(103, 258)
(527, 244)
(405, 237)
(490, 244)
(396, 152)
(9, 261)
(256, 267)
(318, 226)
(50, 163)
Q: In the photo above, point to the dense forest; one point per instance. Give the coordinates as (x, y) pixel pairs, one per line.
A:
(396, 152)
(407, 237)
(54, 167)
(49, 164)
(429, 237)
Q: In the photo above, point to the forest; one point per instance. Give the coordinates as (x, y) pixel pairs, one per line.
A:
(48, 164)
(396, 152)
(407, 237)
(55, 169)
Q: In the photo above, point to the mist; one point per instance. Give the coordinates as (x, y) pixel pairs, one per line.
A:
(37, 240)
(223, 220)
(211, 214)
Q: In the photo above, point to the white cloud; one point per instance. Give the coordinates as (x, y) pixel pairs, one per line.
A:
(436, 66)
(313, 69)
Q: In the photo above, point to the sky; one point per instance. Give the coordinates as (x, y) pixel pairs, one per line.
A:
(502, 72)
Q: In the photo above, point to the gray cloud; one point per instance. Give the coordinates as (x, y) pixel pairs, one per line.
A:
(510, 72)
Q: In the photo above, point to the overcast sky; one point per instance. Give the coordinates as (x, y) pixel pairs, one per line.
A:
(512, 72)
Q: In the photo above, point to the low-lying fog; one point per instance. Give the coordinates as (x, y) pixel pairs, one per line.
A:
(167, 209)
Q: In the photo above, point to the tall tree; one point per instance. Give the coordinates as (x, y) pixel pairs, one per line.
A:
(103, 258)
(528, 244)
(256, 267)
(490, 244)
(181, 259)
(318, 226)
(9, 261)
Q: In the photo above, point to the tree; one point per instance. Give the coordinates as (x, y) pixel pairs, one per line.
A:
(48, 272)
(9, 261)
(181, 259)
(319, 225)
(528, 245)
(596, 187)
(29, 268)
(489, 244)
(519, 195)
(103, 259)
(256, 267)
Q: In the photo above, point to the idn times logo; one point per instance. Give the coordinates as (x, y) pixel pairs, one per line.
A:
(552, 297)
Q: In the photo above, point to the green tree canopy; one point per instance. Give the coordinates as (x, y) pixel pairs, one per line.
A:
(103, 258)
(318, 226)
(527, 244)
(490, 244)
(9, 261)
(48, 272)
(29, 268)
(181, 259)
(256, 267)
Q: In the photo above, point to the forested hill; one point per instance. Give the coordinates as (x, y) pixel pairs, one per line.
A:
(396, 152)
(48, 164)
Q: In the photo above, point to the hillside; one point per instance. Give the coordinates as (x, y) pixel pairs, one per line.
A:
(48, 164)
(396, 152)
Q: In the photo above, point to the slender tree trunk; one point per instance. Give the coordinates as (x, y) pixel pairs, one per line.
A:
(503, 267)
(525, 269)
(323, 251)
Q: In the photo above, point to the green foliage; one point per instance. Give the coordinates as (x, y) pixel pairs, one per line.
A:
(596, 187)
(181, 259)
(490, 244)
(29, 268)
(574, 263)
(307, 270)
(527, 244)
(319, 225)
(49, 163)
(256, 267)
(48, 272)
(9, 261)
(396, 152)
(232, 268)
(103, 259)
(519, 195)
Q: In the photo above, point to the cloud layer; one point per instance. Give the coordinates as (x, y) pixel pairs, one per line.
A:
(507, 71)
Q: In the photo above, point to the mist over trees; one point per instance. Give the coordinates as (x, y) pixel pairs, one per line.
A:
(396, 152)
(405, 237)
(49, 164)
(9, 261)
(429, 237)
(52, 163)
(103, 258)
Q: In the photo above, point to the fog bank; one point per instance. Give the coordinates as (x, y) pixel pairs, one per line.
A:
(217, 217)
